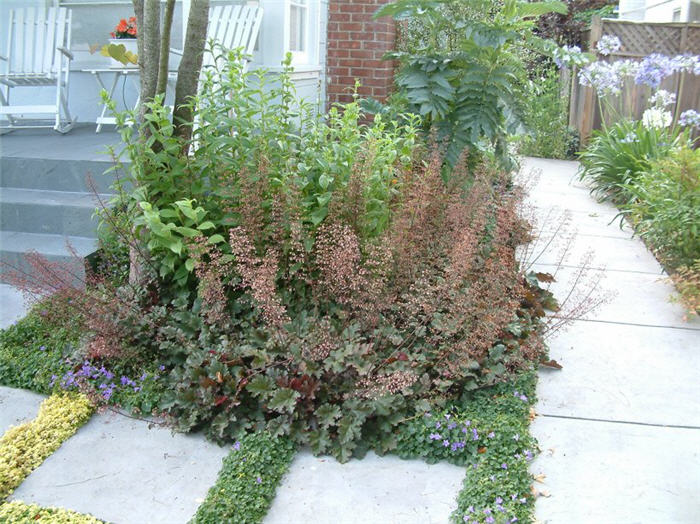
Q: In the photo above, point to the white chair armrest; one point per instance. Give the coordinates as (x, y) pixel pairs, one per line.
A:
(3, 57)
(176, 51)
(65, 52)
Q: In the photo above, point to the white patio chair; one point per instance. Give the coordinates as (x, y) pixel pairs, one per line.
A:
(231, 27)
(38, 55)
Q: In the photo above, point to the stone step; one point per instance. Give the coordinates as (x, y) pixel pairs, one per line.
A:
(55, 248)
(50, 212)
(53, 174)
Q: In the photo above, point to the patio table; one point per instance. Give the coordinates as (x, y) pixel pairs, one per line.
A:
(118, 72)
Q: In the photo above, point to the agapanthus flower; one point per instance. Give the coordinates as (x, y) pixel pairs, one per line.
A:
(689, 118)
(686, 64)
(569, 56)
(629, 138)
(608, 44)
(601, 76)
(656, 118)
(653, 69)
(662, 98)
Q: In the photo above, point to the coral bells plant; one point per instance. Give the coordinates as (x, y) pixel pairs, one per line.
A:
(314, 277)
(125, 29)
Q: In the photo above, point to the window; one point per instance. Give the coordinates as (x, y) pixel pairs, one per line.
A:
(297, 29)
(676, 15)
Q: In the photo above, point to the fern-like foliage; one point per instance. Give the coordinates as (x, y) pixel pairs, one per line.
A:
(469, 93)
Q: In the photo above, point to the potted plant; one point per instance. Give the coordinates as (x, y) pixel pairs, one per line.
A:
(122, 48)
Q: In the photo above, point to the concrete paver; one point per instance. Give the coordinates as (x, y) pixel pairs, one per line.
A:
(17, 406)
(630, 368)
(12, 305)
(372, 490)
(119, 470)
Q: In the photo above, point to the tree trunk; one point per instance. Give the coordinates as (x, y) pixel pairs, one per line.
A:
(150, 33)
(190, 66)
(165, 48)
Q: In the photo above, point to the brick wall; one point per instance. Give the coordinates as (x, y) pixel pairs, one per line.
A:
(356, 44)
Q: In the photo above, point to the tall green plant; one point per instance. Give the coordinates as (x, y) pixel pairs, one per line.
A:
(468, 92)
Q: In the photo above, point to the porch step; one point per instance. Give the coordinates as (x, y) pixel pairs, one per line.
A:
(52, 174)
(55, 248)
(52, 212)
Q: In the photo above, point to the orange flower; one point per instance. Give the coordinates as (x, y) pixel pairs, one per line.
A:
(122, 26)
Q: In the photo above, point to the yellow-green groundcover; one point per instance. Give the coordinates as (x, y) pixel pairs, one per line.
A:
(20, 513)
(23, 448)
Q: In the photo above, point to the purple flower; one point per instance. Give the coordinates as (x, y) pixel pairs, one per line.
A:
(604, 78)
(608, 44)
(161, 367)
(487, 511)
(523, 500)
(447, 416)
(451, 425)
(490, 519)
(500, 508)
(523, 398)
(504, 466)
(258, 480)
(465, 518)
(143, 377)
(237, 445)
(528, 455)
(137, 389)
(499, 500)
(689, 118)
(475, 434)
(438, 425)
(470, 509)
(124, 380)
(42, 348)
(491, 435)
(514, 519)
(653, 69)
(445, 442)
(435, 436)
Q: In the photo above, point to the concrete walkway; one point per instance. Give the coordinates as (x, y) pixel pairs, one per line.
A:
(619, 425)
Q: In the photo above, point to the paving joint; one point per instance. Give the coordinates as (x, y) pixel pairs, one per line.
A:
(610, 421)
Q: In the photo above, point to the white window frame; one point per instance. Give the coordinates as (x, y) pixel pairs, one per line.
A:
(298, 57)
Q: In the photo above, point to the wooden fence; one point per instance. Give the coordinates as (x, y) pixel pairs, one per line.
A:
(638, 40)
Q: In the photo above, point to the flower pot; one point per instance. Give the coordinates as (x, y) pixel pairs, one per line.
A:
(130, 45)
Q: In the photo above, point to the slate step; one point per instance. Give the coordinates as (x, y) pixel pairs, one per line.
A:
(50, 212)
(55, 248)
(55, 174)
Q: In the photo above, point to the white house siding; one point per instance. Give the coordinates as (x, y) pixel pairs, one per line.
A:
(661, 11)
(94, 19)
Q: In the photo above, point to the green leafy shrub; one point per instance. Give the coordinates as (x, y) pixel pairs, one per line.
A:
(546, 119)
(247, 481)
(665, 206)
(617, 155)
(317, 279)
(463, 76)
